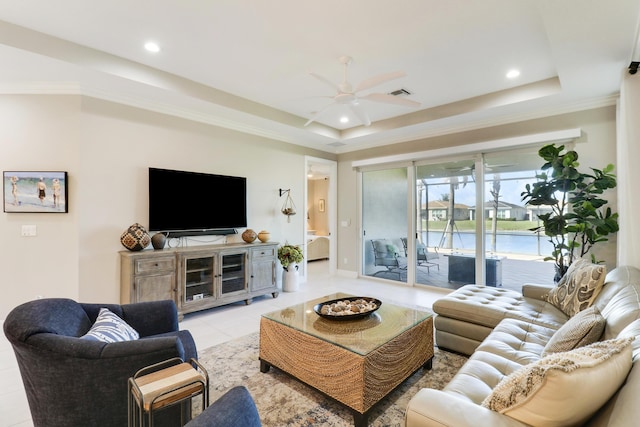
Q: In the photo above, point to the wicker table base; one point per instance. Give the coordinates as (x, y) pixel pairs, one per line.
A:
(355, 380)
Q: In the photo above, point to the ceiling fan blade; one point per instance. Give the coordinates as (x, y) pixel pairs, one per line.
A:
(360, 113)
(390, 99)
(378, 80)
(318, 114)
(326, 81)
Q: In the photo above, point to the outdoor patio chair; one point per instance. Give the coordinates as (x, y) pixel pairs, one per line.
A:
(423, 256)
(386, 255)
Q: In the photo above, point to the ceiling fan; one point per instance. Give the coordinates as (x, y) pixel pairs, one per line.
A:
(346, 95)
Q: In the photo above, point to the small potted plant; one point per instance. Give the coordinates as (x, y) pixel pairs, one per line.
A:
(290, 256)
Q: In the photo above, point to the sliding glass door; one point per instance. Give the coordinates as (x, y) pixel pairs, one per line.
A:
(452, 203)
(385, 210)
(514, 253)
(445, 229)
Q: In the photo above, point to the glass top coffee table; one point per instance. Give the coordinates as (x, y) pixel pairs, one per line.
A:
(356, 362)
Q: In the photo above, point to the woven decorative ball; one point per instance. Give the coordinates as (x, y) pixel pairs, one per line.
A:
(249, 235)
(135, 238)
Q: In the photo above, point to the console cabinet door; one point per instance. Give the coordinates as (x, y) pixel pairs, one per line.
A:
(233, 274)
(198, 281)
(155, 288)
(263, 268)
(148, 277)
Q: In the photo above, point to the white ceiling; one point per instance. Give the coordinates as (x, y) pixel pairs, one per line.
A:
(244, 64)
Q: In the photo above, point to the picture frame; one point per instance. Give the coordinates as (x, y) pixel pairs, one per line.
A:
(35, 191)
(321, 205)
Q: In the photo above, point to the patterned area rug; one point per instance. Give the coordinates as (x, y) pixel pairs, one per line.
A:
(285, 401)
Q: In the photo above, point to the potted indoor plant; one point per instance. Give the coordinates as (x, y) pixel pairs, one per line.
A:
(290, 256)
(578, 217)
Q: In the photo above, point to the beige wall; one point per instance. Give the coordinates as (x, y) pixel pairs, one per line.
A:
(107, 148)
(596, 147)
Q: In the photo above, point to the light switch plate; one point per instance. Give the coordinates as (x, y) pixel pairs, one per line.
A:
(29, 231)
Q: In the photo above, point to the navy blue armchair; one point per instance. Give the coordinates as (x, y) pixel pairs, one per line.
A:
(75, 382)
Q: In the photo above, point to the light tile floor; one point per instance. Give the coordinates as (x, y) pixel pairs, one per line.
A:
(217, 325)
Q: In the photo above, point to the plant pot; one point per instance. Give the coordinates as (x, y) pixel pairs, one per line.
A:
(290, 278)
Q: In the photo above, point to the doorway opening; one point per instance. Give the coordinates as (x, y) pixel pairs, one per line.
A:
(320, 211)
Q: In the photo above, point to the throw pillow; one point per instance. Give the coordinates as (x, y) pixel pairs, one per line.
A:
(564, 388)
(578, 288)
(582, 329)
(110, 328)
(392, 251)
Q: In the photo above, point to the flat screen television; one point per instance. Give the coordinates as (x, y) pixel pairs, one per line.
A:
(191, 203)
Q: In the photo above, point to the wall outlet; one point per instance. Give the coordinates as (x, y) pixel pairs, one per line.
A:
(345, 261)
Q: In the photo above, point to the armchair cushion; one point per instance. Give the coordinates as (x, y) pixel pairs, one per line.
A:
(110, 328)
(558, 390)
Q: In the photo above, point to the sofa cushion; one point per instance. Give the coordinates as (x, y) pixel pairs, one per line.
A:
(110, 328)
(578, 288)
(559, 389)
(582, 329)
(487, 306)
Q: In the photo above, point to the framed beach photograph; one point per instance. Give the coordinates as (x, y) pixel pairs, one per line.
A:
(37, 191)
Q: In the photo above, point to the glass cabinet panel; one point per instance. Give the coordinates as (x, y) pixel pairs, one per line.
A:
(199, 278)
(234, 273)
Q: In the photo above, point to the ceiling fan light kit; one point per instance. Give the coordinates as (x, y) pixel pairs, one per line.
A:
(347, 96)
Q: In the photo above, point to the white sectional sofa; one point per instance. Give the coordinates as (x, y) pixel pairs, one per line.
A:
(507, 333)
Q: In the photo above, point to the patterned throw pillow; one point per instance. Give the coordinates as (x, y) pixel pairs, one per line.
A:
(110, 328)
(582, 329)
(578, 288)
(564, 388)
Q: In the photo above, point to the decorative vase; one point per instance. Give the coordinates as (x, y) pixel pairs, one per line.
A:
(249, 235)
(135, 238)
(158, 241)
(290, 278)
(264, 236)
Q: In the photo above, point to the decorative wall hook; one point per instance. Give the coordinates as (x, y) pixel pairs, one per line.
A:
(289, 208)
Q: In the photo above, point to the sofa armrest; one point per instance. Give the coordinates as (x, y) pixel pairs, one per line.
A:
(534, 290)
(431, 407)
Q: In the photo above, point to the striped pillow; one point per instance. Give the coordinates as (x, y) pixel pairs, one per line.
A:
(110, 328)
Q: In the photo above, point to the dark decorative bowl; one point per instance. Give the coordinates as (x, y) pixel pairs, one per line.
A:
(318, 309)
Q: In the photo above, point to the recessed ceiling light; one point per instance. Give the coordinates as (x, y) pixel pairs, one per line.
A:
(344, 119)
(152, 47)
(513, 74)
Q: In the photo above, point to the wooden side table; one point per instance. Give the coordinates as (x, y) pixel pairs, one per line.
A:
(165, 384)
